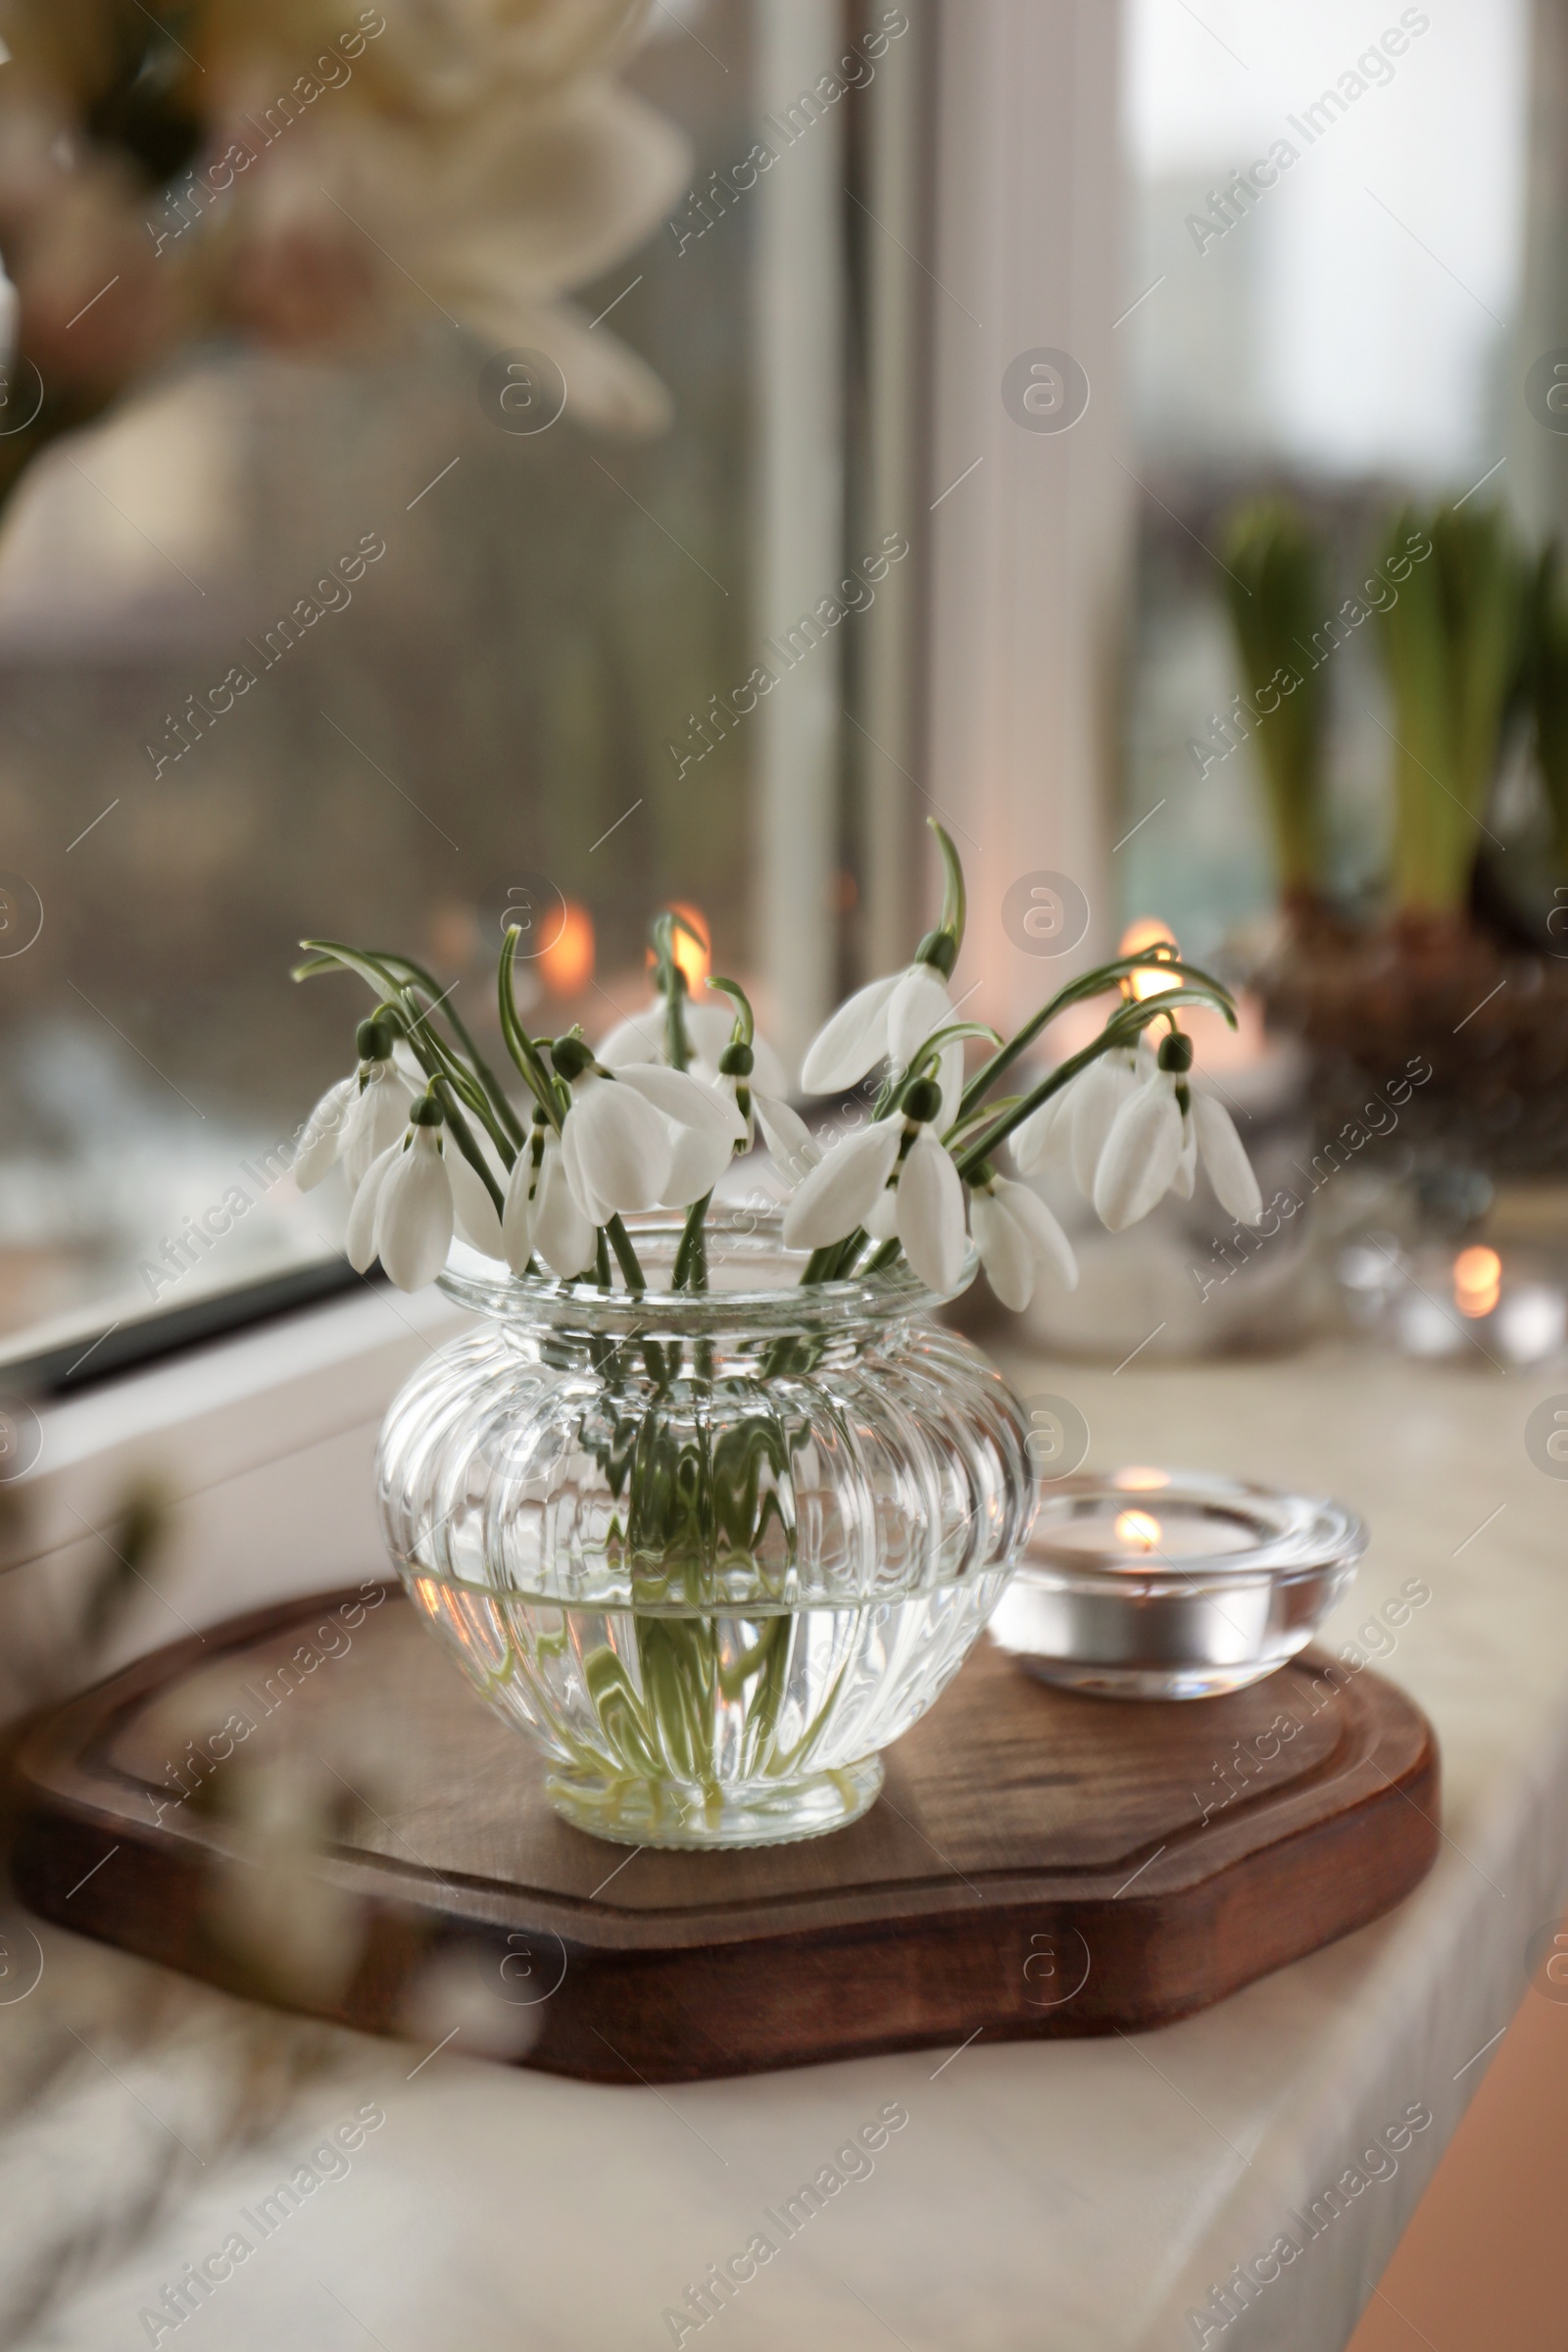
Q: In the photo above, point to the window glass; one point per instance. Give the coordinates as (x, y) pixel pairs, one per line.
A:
(1347, 324)
(325, 622)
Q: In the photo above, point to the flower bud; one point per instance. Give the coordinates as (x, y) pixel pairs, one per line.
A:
(922, 1100)
(571, 1055)
(426, 1112)
(736, 1061)
(1176, 1052)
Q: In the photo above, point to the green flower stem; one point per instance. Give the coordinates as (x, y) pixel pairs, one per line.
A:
(1089, 984)
(625, 1254)
(481, 1067)
(691, 1258)
(518, 1044)
(435, 1058)
(462, 1136)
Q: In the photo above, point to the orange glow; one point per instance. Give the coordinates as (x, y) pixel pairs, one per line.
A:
(1137, 1531)
(567, 964)
(694, 961)
(1476, 1282)
(1142, 1482)
(1148, 932)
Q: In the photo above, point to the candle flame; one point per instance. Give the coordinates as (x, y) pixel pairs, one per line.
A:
(1476, 1282)
(567, 961)
(1138, 1531)
(1150, 932)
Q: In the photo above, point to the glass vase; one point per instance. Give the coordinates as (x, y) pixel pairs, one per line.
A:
(712, 1550)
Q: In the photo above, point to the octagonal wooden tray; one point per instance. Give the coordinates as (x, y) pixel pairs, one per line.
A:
(1040, 1863)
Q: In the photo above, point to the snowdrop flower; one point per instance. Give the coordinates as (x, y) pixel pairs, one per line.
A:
(1070, 1128)
(359, 1117)
(618, 1138)
(542, 1212)
(888, 1020)
(897, 1179)
(403, 1211)
(1017, 1234)
(1158, 1138)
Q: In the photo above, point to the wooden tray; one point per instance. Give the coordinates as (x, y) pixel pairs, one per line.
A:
(1040, 1863)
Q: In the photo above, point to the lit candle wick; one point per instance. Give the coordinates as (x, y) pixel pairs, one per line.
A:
(1138, 1531)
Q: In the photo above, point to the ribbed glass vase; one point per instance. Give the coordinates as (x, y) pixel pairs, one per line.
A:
(712, 1550)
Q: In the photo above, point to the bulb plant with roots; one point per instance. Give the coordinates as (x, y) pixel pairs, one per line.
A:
(699, 1653)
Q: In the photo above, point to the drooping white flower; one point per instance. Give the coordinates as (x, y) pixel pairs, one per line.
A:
(403, 1211)
(1157, 1139)
(843, 1189)
(379, 1116)
(1071, 1127)
(887, 1020)
(898, 1180)
(618, 1138)
(1017, 1235)
(543, 1214)
(478, 1221)
(321, 1142)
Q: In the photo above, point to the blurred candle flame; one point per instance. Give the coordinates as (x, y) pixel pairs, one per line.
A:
(1476, 1282)
(567, 964)
(1150, 932)
(1138, 1531)
(1142, 1482)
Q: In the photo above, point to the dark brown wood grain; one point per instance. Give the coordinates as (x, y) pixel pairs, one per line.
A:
(1038, 1864)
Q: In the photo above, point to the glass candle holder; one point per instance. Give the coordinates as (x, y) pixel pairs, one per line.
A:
(1164, 1584)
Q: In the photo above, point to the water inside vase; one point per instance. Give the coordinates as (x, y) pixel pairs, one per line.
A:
(672, 1725)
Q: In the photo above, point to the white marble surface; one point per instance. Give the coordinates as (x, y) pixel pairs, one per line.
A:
(1075, 2196)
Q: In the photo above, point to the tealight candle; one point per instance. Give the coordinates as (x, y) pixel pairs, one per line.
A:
(1152, 1583)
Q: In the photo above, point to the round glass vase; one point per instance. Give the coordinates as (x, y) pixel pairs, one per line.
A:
(712, 1550)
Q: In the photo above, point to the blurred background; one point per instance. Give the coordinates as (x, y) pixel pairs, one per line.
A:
(411, 447)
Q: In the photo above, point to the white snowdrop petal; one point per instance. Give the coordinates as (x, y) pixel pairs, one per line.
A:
(473, 1210)
(690, 1102)
(881, 1219)
(1045, 1138)
(1225, 1160)
(840, 1193)
(1186, 1176)
(1050, 1244)
(413, 1216)
(707, 1029)
(1004, 1251)
(619, 1145)
(851, 1042)
(1098, 1096)
(795, 1149)
(379, 1118)
(918, 1006)
(562, 1233)
(695, 1164)
(517, 1216)
(360, 1238)
(321, 1138)
(640, 1038)
(1141, 1154)
(930, 1213)
(597, 1211)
